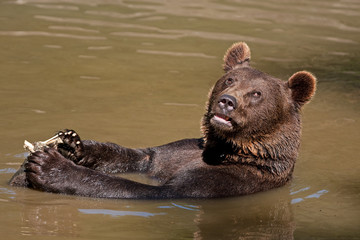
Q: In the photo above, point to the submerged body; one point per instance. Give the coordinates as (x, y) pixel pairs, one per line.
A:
(251, 138)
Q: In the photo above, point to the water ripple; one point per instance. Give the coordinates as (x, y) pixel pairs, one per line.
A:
(68, 28)
(172, 33)
(116, 213)
(175, 54)
(318, 194)
(148, 35)
(57, 7)
(7, 170)
(335, 39)
(119, 15)
(49, 34)
(97, 23)
(100, 47)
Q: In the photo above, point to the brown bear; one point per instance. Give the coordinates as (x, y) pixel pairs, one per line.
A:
(250, 144)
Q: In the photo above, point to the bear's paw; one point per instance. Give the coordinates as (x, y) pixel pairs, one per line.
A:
(71, 146)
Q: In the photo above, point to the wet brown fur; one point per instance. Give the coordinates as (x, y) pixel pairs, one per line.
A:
(272, 139)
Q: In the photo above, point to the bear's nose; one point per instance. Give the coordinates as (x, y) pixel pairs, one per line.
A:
(227, 102)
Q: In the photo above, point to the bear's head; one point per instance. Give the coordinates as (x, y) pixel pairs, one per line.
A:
(247, 106)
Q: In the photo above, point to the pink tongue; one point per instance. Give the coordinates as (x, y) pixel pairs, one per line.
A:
(223, 117)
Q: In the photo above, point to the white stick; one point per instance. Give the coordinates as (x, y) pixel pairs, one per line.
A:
(29, 146)
(51, 140)
(40, 145)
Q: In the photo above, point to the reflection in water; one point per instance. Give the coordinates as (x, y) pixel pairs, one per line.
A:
(272, 221)
(255, 218)
(48, 219)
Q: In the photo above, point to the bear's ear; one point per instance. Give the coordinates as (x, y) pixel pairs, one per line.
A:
(237, 56)
(303, 86)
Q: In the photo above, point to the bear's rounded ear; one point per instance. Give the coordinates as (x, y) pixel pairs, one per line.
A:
(237, 56)
(303, 86)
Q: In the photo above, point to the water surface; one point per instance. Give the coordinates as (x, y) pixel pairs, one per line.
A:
(138, 73)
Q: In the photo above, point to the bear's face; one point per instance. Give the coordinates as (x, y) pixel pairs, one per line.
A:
(248, 104)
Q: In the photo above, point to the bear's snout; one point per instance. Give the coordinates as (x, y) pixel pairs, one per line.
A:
(227, 103)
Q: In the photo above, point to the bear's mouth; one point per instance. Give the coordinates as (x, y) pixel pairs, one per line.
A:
(222, 119)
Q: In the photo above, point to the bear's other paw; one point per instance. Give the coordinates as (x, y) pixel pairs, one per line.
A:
(238, 55)
(303, 87)
(49, 171)
(72, 146)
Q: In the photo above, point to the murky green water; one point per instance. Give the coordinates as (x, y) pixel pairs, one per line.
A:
(138, 72)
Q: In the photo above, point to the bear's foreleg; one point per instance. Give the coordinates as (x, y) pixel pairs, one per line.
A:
(49, 171)
(103, 157)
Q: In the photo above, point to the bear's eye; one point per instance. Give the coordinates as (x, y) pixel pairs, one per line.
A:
(229, 81)
(256, 94)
